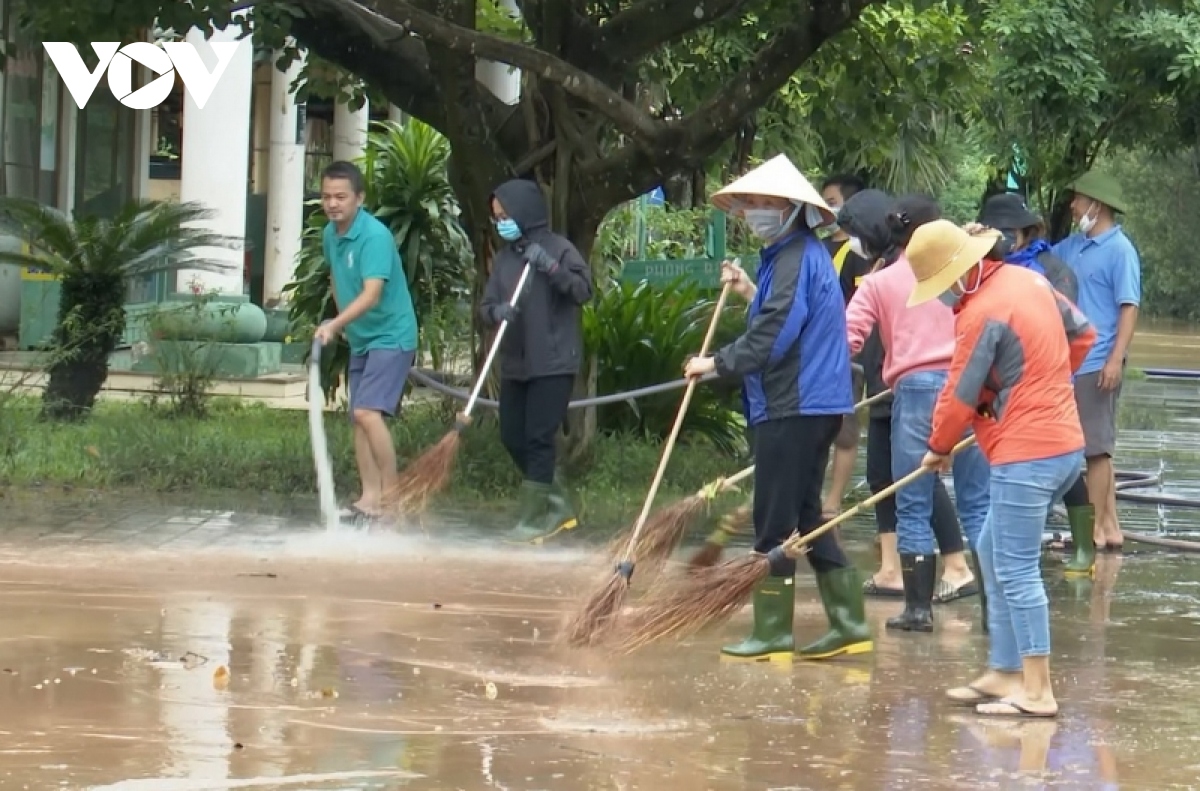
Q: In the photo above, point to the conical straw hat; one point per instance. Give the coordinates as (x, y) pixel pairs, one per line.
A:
(777, 178)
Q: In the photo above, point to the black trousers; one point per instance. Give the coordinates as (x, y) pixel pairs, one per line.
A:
(1077, 495)
(879, 476)
(789, 469)
(531, 413)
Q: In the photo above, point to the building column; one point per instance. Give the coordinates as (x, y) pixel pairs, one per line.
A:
(285, 199)
(350, 131)
(215, 168)
(396, 115)
(501, 79)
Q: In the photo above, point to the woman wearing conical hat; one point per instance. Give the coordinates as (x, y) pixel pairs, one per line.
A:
(1010, 381)
(795, 366)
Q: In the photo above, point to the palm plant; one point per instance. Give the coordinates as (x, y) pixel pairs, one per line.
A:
(94, 259)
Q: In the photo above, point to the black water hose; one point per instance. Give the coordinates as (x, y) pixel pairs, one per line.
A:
(429, 379)
(1127, 480)
(425, 380)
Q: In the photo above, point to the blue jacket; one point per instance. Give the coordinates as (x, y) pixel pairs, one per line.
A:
(793, 357)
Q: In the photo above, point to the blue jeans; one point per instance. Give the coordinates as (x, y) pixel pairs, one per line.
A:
(1010, 554)
(912, 421)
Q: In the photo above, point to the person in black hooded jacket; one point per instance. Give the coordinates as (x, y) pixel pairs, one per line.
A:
(542, 348)
(880, 226)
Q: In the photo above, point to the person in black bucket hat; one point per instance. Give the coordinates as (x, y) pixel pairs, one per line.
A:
(1023, 237)
(1024, 243)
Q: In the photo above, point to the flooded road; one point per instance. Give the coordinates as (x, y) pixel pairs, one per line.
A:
(162, 648)
(371, 662)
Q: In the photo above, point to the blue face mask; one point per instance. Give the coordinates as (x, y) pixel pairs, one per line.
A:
(508, 229)
(949, 298)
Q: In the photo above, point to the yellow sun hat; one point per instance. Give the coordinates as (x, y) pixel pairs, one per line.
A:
(940, 253)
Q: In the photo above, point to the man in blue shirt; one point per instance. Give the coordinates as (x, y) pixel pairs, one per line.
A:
(375, 312)
(1110, 291)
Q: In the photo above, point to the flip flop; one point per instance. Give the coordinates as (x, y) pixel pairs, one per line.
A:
(977, 696)
(1015, 710)
(947, 593)
(872, 588)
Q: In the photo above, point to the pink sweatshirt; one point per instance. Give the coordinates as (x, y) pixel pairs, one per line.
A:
(914, 339)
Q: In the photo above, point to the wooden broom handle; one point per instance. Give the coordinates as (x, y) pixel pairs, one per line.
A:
(797, 542)
(679, 416)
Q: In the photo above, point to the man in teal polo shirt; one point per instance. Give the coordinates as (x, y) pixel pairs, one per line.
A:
(375, 312)
(1110, 291)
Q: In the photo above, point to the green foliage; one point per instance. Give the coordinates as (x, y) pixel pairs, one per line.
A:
(1070, 77)
(95, 258)
(642, 336)
(267, 451)
(879, 98)
(1164, 196)
(670, 233)
(407, 189)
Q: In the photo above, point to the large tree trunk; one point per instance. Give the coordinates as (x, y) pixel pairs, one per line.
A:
(578, 128)
(91, 319)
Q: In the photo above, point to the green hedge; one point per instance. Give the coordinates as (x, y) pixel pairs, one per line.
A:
(258, 449)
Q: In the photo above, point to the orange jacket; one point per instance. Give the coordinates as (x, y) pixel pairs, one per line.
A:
(1010, 378)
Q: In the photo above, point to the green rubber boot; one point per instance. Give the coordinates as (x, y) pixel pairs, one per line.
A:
(842, 594)
(772, 639)
(1083, 522)
(535, 499)
(553, 515)
(561, 514)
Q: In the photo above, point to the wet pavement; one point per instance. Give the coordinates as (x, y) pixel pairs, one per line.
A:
(381, 662)
(147, 645)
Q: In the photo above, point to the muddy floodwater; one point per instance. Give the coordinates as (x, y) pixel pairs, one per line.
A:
(383, 663)
(150, 646)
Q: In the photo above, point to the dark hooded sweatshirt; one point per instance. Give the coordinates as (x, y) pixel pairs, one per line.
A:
(546, 337)
(864, 215)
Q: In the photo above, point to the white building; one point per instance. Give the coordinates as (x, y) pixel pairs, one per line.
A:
(252, 153)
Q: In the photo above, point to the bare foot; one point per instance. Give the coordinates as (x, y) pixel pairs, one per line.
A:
(1019, 706)
(992, 685)
(881, 581)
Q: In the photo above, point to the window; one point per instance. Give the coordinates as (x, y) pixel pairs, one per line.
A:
(30, 103)
(104, 156)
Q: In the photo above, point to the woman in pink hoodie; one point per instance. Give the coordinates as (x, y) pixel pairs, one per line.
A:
(918, 345)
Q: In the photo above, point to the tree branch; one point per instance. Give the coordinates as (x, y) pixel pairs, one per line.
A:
(718, 118)
(398, 67)
(631, 171)
(647, 25)
(400, 18)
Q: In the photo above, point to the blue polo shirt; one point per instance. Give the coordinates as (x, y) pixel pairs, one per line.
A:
(367, 251)
(1110, 276)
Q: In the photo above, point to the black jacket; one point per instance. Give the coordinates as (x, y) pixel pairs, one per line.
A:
(1060, 275)
(865, 216)
(546, 338)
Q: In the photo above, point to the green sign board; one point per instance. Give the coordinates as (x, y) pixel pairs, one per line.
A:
(705, 272)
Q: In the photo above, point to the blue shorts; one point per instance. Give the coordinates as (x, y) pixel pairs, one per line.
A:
(377, 380)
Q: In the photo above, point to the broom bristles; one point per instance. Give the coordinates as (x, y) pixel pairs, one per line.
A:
(706, 556)
(660, 535)
(707, 597)
(595, 619)
(427, 475)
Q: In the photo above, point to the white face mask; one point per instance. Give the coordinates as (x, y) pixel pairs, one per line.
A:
(950, 297)
(768, 224)
(813, 217)
(856, 247)
(1088, 221)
